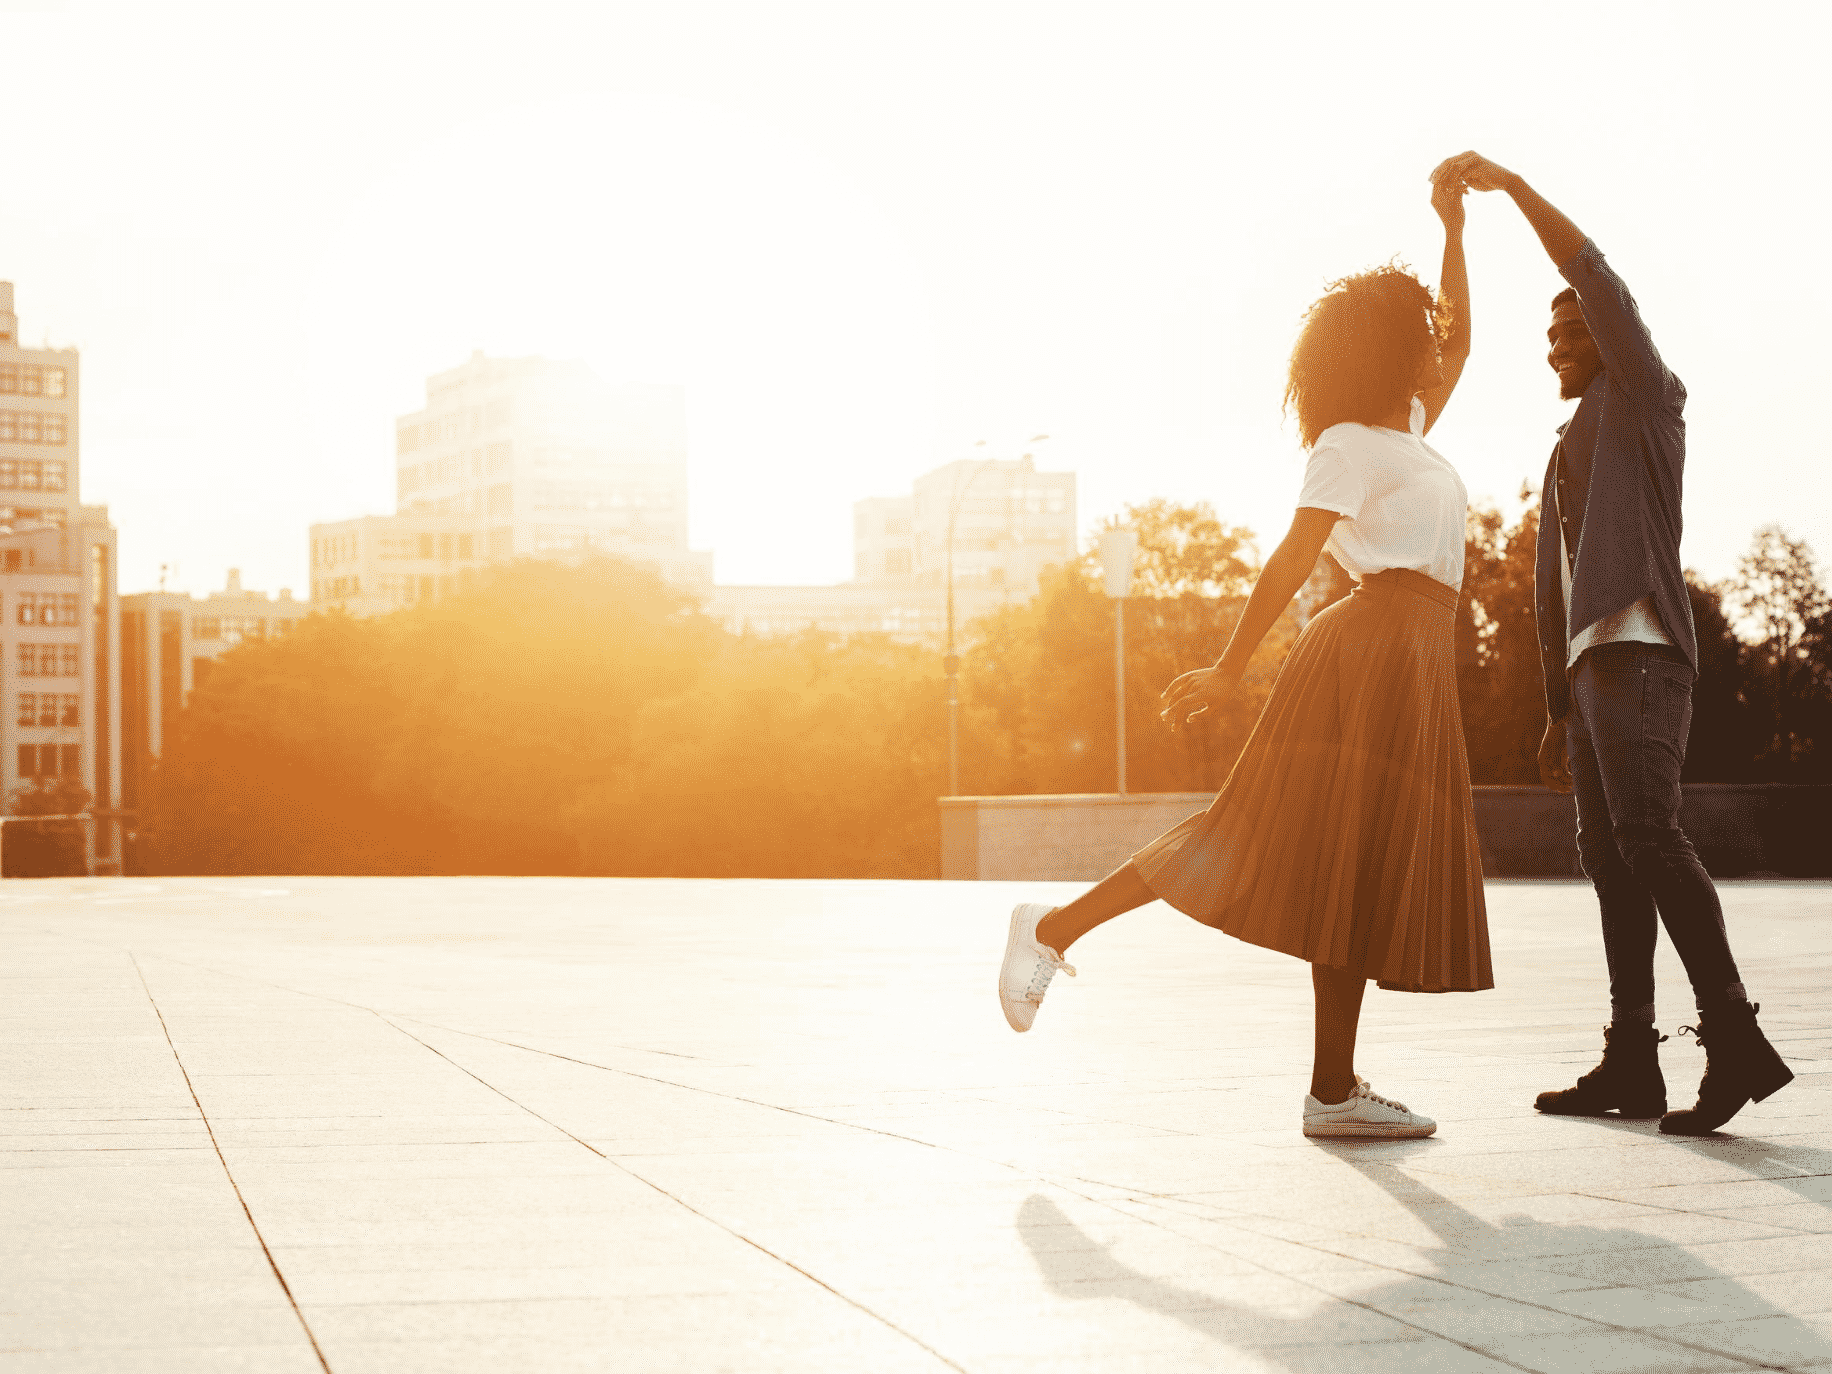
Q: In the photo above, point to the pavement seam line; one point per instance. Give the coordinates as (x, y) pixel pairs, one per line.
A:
(680, 1202)
(228, 1173)
(554, 1054)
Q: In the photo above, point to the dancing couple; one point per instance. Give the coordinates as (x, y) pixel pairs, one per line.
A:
(1345, 834)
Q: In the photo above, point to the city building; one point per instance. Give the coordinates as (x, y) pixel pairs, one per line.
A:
(1004, 520)
(513, 458)
(59, 612)
(169, 643)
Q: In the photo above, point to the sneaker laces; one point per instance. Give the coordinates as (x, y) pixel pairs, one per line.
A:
(1363, 1090)
(1045, 970)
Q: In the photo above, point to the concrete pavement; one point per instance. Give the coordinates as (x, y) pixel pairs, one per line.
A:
(386, 1126)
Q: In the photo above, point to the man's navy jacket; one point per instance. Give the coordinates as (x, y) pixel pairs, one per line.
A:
(1617, 491)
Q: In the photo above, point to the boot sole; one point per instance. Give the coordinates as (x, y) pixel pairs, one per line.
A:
(1770, 1086)
(1637, 1112)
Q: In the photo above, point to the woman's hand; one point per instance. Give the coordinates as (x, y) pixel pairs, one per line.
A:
(1193, 693)
(1447, 190)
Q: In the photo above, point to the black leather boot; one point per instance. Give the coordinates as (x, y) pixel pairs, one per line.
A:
(1740, 1067)
(1628, 1080)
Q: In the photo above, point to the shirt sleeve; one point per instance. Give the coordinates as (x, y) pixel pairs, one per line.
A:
(1333, 481)
(1614, 321)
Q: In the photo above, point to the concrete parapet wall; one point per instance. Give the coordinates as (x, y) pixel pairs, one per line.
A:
(1739, 830)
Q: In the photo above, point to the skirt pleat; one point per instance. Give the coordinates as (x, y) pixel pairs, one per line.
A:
(1346, 834)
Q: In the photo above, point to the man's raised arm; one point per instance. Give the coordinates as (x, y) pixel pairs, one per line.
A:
(1610, 312)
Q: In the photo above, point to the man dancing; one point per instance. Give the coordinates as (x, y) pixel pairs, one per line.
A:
(1619, 658)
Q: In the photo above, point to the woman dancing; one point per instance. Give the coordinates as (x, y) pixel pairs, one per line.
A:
(1345, 834)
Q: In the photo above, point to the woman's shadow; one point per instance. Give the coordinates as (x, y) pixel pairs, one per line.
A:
(1621, 1265)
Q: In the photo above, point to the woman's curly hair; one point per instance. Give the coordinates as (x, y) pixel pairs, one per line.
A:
(1363, 349)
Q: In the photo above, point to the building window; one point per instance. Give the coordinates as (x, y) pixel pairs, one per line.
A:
(28, 708)
(206, 627)
(426, 546)
(27, 604)
(28, 760)
(30, 379)
(71, 704)
(67, 660)
(28, 660)
(72, 760)
(31, 427)
(497, 457)
(464, 546)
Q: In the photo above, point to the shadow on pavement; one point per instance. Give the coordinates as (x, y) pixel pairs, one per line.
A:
(1626, 1270)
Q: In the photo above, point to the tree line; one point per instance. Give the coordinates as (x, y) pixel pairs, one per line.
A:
(591, 719)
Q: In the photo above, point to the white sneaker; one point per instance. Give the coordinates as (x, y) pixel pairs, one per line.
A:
(1366, 1113)
(1025, 975)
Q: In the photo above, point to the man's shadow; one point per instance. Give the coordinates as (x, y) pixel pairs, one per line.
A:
(1615, 1258)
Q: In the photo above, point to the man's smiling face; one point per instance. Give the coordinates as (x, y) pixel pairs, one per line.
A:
(1572, 352)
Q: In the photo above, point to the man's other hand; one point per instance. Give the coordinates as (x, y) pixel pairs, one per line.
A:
(1554, 768)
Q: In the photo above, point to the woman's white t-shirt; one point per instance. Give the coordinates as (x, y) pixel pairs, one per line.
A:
(1402, 505)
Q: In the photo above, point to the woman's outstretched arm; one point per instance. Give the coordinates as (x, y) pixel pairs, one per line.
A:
(1287, 570)
(1453, 286)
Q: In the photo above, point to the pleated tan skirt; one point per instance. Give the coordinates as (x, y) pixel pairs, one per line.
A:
(1346, 834)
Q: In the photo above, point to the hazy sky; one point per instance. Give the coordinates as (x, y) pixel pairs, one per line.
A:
(865, 236)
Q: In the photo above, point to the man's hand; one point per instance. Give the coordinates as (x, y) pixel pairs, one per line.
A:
(1554, 768)
(1474, 171)
(1447, 199)
(1193, 693)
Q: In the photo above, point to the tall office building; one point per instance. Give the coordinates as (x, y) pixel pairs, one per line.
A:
(59, 613)
(517, 457)
(169, 643)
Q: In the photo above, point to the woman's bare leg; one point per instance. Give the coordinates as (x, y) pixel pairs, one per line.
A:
(1114, 895)
(1332, 1074)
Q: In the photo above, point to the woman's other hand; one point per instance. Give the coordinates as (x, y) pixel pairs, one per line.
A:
(1447, 190)
(1193, 693)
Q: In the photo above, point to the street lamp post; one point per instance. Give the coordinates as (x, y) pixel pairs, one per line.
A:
(1118, 548)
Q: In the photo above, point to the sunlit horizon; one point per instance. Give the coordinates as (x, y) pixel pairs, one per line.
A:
(864, 240)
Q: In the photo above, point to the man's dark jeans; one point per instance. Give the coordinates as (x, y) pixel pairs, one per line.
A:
(1631, 708)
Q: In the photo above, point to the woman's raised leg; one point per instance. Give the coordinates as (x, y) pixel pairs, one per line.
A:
(1114, 895)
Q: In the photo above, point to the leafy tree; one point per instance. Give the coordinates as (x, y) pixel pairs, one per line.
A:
(446, 739)
(790, 758)
(1499, 679)
(1778, 592)
(1039, 681)
(1727, 730)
